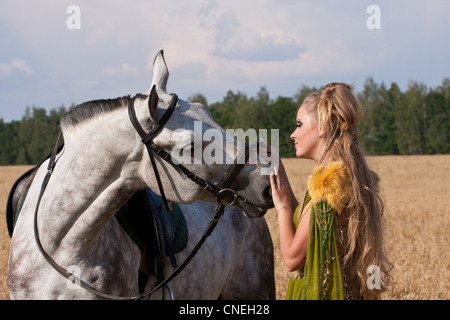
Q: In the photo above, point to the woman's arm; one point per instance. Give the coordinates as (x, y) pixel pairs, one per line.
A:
(293, 242)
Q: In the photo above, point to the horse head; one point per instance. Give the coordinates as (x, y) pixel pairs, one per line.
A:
(199, 145)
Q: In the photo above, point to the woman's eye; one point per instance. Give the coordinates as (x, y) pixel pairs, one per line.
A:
(299, 124)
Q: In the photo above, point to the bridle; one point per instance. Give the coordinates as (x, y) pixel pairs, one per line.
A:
(224, 196)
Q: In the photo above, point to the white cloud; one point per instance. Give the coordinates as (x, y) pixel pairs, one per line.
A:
(15, 64)
(234, 40)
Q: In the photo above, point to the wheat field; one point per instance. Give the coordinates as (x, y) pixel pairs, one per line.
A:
(416, 190)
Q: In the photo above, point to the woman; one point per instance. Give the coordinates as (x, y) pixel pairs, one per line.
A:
(333, 237)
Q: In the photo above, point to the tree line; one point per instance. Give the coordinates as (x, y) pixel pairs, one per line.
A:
(28, 141)
(415, 121)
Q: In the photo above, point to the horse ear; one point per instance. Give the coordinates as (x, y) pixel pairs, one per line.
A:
(160, 72)
(153, 100)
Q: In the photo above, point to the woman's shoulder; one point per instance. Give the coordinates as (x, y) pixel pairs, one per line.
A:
(330, 184)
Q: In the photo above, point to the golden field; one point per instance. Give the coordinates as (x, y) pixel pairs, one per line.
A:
(416, 190)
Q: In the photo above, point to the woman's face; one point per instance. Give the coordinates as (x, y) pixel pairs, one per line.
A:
(307, 138)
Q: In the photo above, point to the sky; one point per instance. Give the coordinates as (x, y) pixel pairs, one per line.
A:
(56, 52)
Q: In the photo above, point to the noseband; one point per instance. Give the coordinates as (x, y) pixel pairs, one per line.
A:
(224, 197)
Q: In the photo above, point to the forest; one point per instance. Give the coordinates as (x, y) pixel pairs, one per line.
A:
(410, 122)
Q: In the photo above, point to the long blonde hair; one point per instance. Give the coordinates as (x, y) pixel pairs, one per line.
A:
(337, 111)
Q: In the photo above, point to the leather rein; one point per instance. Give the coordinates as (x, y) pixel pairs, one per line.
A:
(224, 197)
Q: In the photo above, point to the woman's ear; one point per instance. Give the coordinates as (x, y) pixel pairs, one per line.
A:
(321, 132)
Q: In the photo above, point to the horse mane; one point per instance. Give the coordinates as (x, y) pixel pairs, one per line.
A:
(92, 109)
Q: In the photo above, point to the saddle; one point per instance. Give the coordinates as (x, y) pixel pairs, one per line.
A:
(157, 232)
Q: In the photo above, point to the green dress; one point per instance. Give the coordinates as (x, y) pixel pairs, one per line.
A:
(321, 278)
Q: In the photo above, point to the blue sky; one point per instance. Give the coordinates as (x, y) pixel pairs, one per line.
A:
(212, 46)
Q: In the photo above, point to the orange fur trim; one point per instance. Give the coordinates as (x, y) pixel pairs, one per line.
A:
(330, 184)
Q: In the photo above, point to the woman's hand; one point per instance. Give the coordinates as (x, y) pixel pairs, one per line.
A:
(281, 189)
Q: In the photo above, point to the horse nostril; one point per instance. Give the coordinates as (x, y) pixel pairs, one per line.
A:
(268, 193)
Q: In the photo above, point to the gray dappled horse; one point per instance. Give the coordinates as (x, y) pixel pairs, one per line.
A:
(102, 165)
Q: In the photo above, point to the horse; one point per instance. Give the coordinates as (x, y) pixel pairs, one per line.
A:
(78, 191)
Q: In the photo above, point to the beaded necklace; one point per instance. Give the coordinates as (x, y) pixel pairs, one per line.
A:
(324, 220)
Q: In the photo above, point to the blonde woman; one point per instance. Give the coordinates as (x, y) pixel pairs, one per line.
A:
(332, 240)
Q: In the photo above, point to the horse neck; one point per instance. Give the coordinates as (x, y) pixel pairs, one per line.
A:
(90, 182)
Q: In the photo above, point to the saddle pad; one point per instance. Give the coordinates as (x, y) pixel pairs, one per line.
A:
(135, 217)
(175, 230)
(14, 203)
(180, 239)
